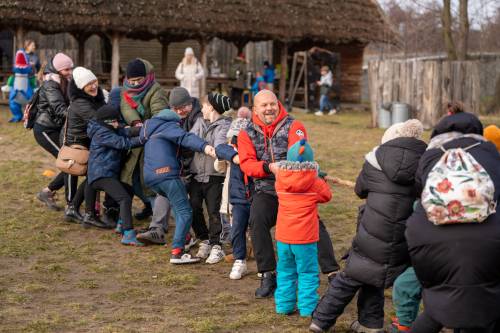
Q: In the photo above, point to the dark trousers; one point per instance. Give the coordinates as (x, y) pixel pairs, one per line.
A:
(339, 294)
(263, 214)
(48, 139)
(75, 195)
(211, 193)
(118, 191)
(426, 324)
(241, 214)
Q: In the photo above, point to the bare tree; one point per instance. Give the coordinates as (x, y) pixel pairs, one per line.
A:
(463, 30)
(447, 30)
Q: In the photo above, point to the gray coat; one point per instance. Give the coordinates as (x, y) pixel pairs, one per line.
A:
(214, 133)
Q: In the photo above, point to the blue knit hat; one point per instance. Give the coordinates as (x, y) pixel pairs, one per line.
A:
(301, 151)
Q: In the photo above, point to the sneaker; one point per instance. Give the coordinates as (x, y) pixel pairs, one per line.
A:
(356, 327)
(146, 212)
(319, 113)
(180, 257)
(267, 285)
(71, 214)
(332, 112)
(48, 198)
(216, 255)
(152, 236)
(129, 238)
(204, 250)
(190, 242)
(398, 328)
(315, 328)
(119, 227)
(90, 220)
(239, 270)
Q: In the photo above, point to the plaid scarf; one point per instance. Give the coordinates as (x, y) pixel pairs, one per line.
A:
(133, 95)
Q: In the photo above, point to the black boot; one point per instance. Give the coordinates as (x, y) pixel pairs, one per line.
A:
(267, 285)
(89, 220)
(146, 212)
(110, 216)
(71, 214)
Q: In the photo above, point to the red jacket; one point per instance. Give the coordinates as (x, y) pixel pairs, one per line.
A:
(249, 163)
(299, 192)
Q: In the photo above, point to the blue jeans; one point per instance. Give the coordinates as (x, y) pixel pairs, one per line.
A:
(175, 191)
(241, 214)
(324, 103)
(298, 268)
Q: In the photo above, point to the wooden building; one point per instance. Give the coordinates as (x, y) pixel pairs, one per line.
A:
(152, 29)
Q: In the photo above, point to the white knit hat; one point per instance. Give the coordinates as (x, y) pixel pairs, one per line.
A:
(82, 76)
(412, 128)
(188, 50)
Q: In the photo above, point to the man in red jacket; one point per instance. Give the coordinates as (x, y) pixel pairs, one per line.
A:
(266, 140)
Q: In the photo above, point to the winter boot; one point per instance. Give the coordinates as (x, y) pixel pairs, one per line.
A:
(48, 198)
(267, 285)
(110, 216)
(129, 238)
(89, 220)
(146, 212)
(71, 214)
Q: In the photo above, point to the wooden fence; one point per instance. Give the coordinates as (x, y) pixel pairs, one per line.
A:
(425, 85)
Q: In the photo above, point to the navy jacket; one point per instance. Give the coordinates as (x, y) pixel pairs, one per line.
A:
(106, 150)
(239, 189)
(164, 137)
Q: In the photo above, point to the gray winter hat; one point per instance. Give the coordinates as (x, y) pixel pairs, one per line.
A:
(179, 97)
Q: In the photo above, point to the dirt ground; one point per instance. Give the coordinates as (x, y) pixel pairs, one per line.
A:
(59, 277)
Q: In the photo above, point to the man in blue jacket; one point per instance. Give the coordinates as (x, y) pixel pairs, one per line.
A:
(163, 138)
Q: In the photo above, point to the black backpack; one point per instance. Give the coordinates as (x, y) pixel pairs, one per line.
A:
(31, 110)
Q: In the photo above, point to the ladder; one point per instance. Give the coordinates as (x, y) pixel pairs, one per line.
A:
(298, 80)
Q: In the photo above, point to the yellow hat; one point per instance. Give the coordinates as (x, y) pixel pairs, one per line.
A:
(492, 133)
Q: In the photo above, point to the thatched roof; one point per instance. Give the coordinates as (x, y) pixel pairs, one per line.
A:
(294, 21)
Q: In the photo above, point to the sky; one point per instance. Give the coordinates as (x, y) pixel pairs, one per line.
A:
(479, 10)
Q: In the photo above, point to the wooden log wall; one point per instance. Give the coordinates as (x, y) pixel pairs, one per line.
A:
(424, 85)
(351, 71)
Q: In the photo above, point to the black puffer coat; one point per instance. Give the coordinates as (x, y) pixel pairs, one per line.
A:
(379, 252)
(82, 108)
(52, 103)
(458, 264)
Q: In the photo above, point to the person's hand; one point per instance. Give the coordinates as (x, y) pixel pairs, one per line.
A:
(136, 123)
(273, 167)
(236, 159)
(318, 82)
(210, 151)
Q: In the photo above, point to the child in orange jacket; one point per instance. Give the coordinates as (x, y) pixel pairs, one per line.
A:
(297, 229)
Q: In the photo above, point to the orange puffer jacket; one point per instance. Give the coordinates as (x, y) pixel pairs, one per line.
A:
(299, 191)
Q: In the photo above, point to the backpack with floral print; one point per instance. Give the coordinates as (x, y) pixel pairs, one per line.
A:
(458, 189)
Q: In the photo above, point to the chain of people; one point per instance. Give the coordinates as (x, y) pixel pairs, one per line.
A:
(428, 228)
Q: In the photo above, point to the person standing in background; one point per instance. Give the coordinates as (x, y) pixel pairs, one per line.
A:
(190, 72)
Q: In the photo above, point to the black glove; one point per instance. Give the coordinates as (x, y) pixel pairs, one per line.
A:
(134, 131)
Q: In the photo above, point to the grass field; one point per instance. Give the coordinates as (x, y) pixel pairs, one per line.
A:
(59, 277)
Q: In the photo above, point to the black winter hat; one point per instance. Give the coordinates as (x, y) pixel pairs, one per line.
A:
(220, 102)
(107, 112)
(136, 68)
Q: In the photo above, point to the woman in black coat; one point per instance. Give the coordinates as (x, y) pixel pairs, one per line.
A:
(52, 107)
(379, 252)
(86, 97)
(457, 264)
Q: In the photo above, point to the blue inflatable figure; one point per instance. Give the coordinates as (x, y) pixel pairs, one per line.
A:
(21, 87)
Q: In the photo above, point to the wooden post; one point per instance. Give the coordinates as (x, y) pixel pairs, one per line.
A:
(19, 38)
(81, 38)
(284, 67)
(115, 59)
(164, 56)
(203, 59)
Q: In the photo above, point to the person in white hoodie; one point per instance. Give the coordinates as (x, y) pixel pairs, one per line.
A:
(325, 84)
(190, 72)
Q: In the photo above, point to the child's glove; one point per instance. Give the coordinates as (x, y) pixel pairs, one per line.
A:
(134, 131)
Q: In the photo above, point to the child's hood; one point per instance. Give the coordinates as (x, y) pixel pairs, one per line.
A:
(94, 127)
(163, 117)
(398, 158)
(296, 177)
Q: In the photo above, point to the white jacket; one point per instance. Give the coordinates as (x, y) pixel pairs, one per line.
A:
(190, 76)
